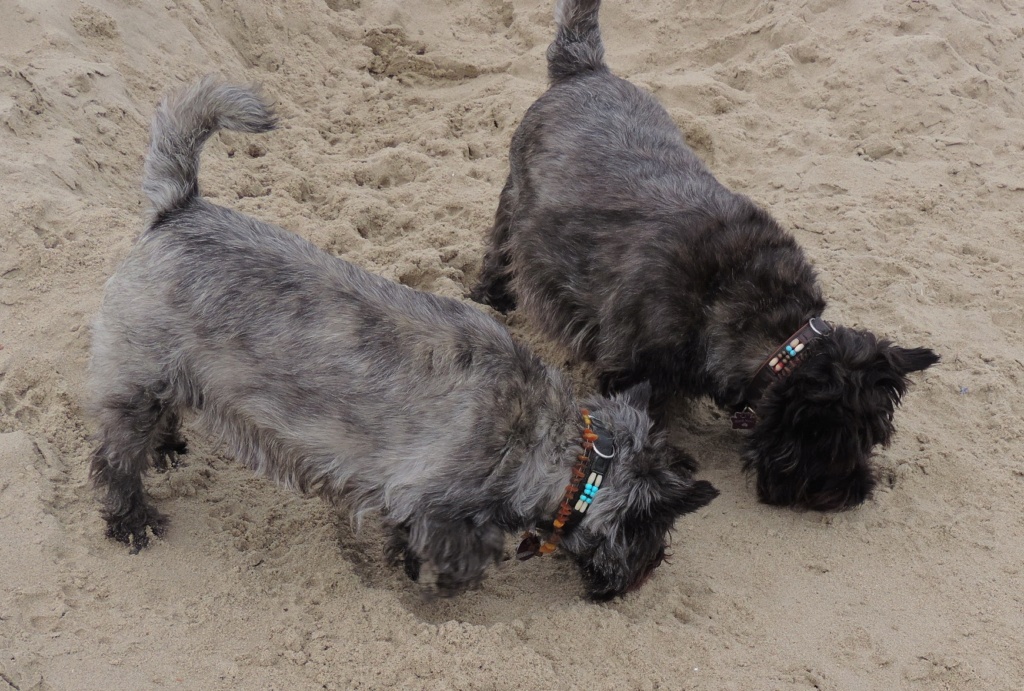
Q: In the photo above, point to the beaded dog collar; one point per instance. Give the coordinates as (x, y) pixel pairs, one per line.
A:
(779, 365)
(592, 464)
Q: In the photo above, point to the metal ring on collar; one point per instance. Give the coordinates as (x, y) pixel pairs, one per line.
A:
(825, 329)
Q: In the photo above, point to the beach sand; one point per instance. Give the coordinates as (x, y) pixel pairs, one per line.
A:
(887, 135)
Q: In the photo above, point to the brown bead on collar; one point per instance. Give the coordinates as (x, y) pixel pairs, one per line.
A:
(777, 366)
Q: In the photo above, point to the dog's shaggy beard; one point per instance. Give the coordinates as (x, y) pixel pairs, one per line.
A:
(618, 563)
(813, 444)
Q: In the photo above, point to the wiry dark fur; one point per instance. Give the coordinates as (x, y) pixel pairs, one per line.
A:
(340, 383)
(615, 238)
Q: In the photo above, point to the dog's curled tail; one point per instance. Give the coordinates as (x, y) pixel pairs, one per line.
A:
(577, 46)
(181, 125)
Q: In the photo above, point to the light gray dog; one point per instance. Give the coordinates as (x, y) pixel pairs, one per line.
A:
(343, 384)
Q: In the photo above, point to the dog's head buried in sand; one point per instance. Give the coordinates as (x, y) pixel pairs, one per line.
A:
(373, 395)
(616, 239)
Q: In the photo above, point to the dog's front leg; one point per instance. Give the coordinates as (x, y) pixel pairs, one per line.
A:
(398, 552)
(457, 551)
(493, 287)
(132, 427)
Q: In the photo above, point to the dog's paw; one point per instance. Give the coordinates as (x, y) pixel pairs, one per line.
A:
(448, 585)
(133, 528)
(168, 455)
(500, 299)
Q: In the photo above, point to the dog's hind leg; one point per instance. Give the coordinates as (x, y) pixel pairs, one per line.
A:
(171, 446)
(134, 423)
(493, 286)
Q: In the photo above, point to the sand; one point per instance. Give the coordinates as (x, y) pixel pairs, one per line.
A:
(888, 135)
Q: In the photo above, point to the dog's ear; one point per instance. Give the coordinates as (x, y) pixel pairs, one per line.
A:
(666, 487)
(893, 366)
(674, 499)
(638, 395)
(869, 363)
(906, 360)
(654, 501)
(697, 495)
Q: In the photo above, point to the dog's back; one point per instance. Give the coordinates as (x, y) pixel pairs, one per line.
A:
(610, 140)
(602, 193)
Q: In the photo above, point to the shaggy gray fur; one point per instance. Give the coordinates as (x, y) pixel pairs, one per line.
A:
(340, 383)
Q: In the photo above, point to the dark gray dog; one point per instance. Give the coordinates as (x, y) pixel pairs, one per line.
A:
(618, 241)
(343, 384)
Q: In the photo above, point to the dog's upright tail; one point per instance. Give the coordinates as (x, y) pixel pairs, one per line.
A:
(577, 46)
(181, 125)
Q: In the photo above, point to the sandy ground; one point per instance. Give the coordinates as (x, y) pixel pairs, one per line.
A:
(886, 133)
